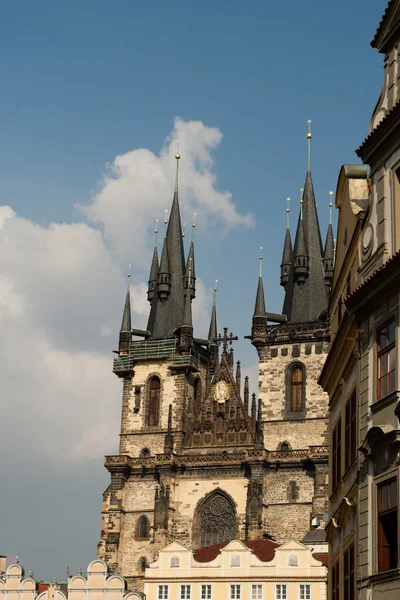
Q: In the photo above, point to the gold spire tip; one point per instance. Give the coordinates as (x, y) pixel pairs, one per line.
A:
(194, 220)
(216, 285)
(165, 216)
(129, 270)
(177, 155)
(309, 134)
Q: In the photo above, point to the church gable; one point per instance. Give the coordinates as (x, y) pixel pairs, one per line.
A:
(222, 421)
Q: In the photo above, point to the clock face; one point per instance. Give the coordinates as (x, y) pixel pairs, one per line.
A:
(221, 392)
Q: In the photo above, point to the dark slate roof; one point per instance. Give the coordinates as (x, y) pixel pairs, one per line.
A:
(187, 312)
(305, 303)
(263, 549)
(126, 324)
(287, 249)
(190, 256)
(154, 266)
(259, 308)
(314, 536)
(329, 249)
(165, 317)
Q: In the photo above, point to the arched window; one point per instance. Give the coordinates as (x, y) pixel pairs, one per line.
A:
(142, 564)
(293, 491)
(174, 562)
(216, 520)
(153, 413)
(295, 388)
(284, 447)
(144, 453)
(143, 528)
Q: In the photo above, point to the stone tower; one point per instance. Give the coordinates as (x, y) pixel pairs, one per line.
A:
(291, 354)
(193, 464)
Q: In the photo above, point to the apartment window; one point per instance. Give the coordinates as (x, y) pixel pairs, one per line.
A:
(387, 525)
(348, 574)
(162, 592)
(350, 431)
(281, 591)
(235, 560)
(185, 592)
(336, 454)
(304, 591)
(256, 591)
(386, 359)
(235, 590)
(205, 592)
(335, 573)
(175, 562)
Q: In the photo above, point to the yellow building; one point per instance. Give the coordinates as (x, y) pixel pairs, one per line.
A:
(249, 570)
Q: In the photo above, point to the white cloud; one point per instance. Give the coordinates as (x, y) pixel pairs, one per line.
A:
(62, 293)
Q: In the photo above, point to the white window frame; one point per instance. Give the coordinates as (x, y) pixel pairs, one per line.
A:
(276, 591)
(305, 596)
(210, 585)
(187, 587)
(163, 597)
(256, 583)
(237, 585)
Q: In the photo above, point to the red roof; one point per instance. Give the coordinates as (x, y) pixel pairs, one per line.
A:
(322, 557)
(263, 549)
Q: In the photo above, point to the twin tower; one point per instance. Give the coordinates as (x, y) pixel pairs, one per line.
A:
(200, 462)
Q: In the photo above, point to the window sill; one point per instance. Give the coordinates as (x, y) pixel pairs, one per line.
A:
(385, 401)
(385, 576)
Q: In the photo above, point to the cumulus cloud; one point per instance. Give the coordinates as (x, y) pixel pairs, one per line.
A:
(62, 292)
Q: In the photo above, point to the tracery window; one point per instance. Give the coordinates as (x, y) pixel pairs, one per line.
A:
(217, 520)
(143, 528)
(153, 413)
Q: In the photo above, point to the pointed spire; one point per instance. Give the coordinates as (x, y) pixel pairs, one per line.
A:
(187, 312)
(238, 376)
(259, 321)
(300, 268)
(246, 395)
(164, 274)
(329, 251)
(125, 335)
(287, 251)
(259, 438)
(212, 332)
(254, 410)
(309, 136)
(153, 277)
(190, 261)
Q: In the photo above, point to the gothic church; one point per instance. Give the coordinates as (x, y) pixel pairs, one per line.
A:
(199, 461)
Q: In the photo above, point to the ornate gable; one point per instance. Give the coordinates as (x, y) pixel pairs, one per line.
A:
(222, 421)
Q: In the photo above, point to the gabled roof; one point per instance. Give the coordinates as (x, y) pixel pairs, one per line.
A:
(263, 549)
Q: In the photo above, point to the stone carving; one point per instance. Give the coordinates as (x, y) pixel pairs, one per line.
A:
(217, 521)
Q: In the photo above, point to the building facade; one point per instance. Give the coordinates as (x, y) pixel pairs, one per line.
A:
(200, 462)
(361, 372)
(258, 570)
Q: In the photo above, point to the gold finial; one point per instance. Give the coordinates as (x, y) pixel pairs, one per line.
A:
(193, 225)
(155, 234)
(129, 270)
(190, 273)
(165, 220)
(183, 230)
(309, 136)
(177, 155)
(215, 292)
(301, 203)
(287, 212)
(261, 259)
(330, 207)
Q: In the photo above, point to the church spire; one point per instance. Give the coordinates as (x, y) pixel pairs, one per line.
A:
(125, 334)
(287, 251)
(168, 304)
(329, 251)
(190, 261)
(212, 332)
(259, 322)
(306, 297)
(153, 277)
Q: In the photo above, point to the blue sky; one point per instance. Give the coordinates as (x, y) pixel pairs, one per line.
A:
(84, 82)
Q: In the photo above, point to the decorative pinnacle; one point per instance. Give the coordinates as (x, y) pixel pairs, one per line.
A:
(156, 234)
(309, 136)
(193, 225)
(177, 157)
(261, 259)
(287, 212)
(330, 207)
(301, 203)
(165, 221)
(190, 273)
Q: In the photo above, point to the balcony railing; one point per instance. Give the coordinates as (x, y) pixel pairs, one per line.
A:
(153, 349)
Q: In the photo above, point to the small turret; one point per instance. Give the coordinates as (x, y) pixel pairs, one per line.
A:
(190, 261)
(300, 268)
(153, 277)
(125, 335)
(329, 252)
(259, 321)
(213, 331)
(164, 275)
(286, 263)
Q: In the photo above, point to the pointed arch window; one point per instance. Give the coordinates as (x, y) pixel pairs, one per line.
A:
(143, 528)
(153, 413)
(216, 520)
(295, 389)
